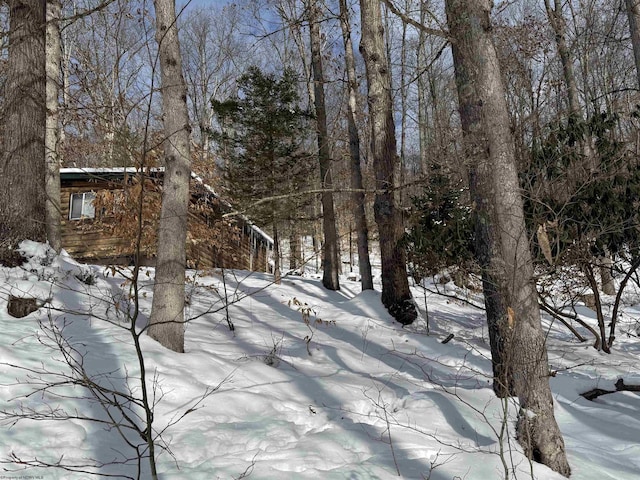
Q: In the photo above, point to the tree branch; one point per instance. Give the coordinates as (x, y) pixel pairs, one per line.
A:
(410, 21)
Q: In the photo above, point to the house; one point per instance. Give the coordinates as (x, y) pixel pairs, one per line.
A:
(100, 223)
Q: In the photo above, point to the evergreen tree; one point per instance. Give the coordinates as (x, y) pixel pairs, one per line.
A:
(585, 213)
(441, 234)
(263, 140)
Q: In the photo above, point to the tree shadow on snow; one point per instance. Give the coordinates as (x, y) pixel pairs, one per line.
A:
(396, 376)
(80, 330)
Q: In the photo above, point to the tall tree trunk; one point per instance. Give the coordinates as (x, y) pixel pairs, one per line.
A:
(277, 271)
(167, 310)
(22, 167)
(358, 197)
(330, 258)
(295, 250)
(633, 12)
(559, 26)
(403, 89)
(396, 295)
(423, 116)
(505, 257)
(52, 173)
(289, 16)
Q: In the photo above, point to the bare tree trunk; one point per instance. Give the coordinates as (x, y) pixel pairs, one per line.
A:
(396, 295)
(330, 259)
(167, 310)
(52, 174)
(506, 258)
(277, 271)
(295, 250)
(403, 89)
(423, 117)
(633, 12)
(605, 266)
(358, 197)
(22, 172)
(558, 23)
(67, 44)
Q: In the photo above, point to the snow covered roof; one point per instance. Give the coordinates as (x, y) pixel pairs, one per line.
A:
(255, 228)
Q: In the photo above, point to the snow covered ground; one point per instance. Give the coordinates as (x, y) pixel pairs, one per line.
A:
(311, 384)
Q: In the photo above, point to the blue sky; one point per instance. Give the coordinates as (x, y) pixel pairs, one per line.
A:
(204, 2)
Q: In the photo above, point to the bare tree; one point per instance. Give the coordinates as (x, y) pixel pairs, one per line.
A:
(52, 132)
(503, 250)
(22, 172)
(213, 56)
(106, 89)
(559, 26)
(423, 123)
(167, 310)
(396, 295)
(358, 197)
(330, 258)
(633, 12)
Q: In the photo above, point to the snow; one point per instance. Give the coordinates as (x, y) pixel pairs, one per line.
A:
(363, 398)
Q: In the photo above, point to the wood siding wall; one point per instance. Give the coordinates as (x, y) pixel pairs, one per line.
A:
(86, 240)
(89, 241)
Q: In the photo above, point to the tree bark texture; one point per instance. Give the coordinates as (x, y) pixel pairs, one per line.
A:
(504, 253)
(52, 133)
(358, 197)
(605, 266)
(22, 166)
(633, 12)
(396, 295)
(167, 310)
(330, 257)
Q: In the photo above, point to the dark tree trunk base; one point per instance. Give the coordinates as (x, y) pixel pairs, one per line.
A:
(403, 311)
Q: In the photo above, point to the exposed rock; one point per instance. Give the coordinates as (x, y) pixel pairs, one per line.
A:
(21, 307)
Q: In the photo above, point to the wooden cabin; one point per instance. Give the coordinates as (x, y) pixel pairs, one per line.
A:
(100, 225)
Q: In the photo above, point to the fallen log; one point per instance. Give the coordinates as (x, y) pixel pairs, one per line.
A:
(620, 387)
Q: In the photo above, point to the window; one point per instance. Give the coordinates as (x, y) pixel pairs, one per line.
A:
(81, 206)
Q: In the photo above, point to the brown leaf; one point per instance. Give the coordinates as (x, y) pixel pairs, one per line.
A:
(543, 241)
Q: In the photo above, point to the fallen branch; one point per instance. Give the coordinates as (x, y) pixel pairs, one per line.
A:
(448, 339)
(563, 317)
(620, 387)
